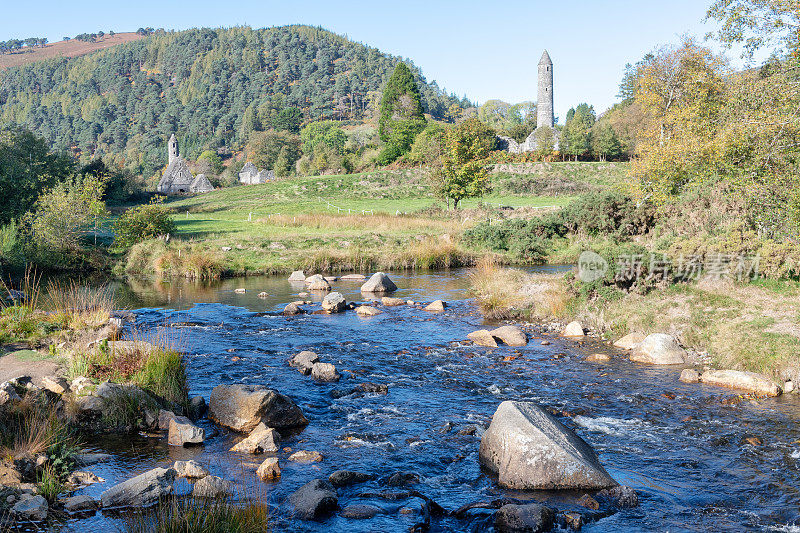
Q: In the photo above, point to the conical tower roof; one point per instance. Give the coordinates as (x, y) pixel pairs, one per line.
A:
(545, 60)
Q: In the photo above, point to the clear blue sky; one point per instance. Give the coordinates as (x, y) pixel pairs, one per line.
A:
(482, 49)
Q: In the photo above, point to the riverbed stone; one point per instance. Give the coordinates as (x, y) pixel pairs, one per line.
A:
(262, 439)
(528, 518)
(737, 379)
(306, 456)
(31, 507)
(81, 503)
(55, 384)
(334, 303)
(164, 418)
(79, 478)
(297, 275)
(379, 282)
(367, 310)
(292, 309)
(510, 335)
(598, 358)
(388, 301)
(242, 407)
(483, 337)
(197, 408)
(140, 491)
(573, 329)
(325, 372)
(689, 375)
(212, 487)
(190, 469)
(359, 511)
(630, 341)
(317, 283)
(345, 478)
(659, 349)
(304, 361)
(436, 305)
(530, 449)
(314, 500)
(620, 496)
(353, 277)
(182, 432)
(269, 469)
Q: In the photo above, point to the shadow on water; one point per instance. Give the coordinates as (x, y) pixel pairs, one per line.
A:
(678, 445)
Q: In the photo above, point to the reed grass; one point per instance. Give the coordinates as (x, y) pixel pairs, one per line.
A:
(218, 515)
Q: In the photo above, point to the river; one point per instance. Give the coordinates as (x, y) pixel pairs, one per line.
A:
(681, 446)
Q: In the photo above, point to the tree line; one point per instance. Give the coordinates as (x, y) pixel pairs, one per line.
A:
(14, 45)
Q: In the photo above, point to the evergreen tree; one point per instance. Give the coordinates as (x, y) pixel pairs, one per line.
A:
(401, 117)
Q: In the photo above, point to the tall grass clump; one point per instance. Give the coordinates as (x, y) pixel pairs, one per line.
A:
(32, 427)
(79, 306)
(20, 318)
(218, 515)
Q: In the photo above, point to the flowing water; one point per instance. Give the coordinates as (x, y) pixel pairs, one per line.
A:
(680, 446)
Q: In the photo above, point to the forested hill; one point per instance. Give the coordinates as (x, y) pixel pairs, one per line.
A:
(211, 86)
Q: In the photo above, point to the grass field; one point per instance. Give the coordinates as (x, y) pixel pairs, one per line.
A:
(380, 219)
(71, 48)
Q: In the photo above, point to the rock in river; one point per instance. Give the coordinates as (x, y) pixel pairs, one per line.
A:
(344, 478)
(242, 407)
(689, 375)
(183, 432)
(630, 341)
(735, 379)
(30, 507)
(334, 303)
(305, 456)
(483, 337)
(261, 439)
(388, 301)
(436, 305)
(140, 491)
(269, 469)
(573, 329)
(379, 282)
(659, 349)
(297, 275)
(528, 518)
(510, 335)
(324, 372)
(317, 283)
(314, 500)
(190, 469)
(212, 487)
(292, 309)
(367, 310)
(304, 361)
(530, 449)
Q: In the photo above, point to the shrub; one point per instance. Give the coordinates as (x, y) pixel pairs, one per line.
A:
(141, 223)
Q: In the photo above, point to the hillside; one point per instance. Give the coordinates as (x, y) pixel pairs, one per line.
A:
(71, 48)
(211, 86)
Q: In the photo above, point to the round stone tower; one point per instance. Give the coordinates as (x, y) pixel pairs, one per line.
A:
(544, 107)
(172, 148)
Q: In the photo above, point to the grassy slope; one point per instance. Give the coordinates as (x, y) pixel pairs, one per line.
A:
(71, 48)
(293, 223)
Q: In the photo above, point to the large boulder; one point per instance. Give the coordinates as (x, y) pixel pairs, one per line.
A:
(573, 329)
(30, 507)
(314, 500)
(182, 432)
(243, 407)
(379, 282)
(630, 341)
(659, 349)
(530, 449)
(324, 372)
(736, 379)
(483, 337)
(261, 439)
(527, 518)
(140, 491)
(304, 361)
(510, 335)
(317, 283)
(334, 303)
(212, 487)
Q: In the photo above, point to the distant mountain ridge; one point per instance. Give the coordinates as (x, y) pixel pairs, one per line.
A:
(210, 86)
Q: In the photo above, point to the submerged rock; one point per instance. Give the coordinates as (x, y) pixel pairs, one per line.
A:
(261, 439)
(659, 349)
(388, 301)
(345, 478)
(314, 500)
(573, 329)
(598, 358)
(304, 361)
(379, 282)
(736, 379)
(483, 337)
(305, 456)
(620, 496)
(530, 449)
(528, 518)
(359, 511)
(242, 407)
(353, 277)
(325, 372)
(510, 335)
(79, 504)
(367, 310)
(630, 341)
(140, 491)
